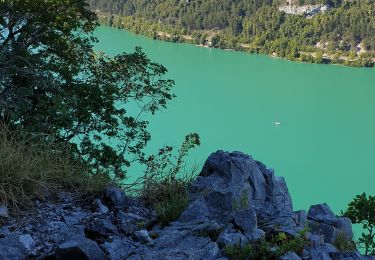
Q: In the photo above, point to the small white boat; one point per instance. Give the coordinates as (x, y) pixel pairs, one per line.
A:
(277, 123)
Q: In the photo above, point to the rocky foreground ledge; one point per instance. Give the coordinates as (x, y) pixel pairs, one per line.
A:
(234, 200)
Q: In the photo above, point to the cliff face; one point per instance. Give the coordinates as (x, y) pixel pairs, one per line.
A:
(234, 201)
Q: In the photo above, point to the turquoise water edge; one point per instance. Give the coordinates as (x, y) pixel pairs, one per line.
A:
(324, 145)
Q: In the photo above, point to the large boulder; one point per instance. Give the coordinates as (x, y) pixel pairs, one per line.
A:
(234, 188)
(241, 182)
(323, 221)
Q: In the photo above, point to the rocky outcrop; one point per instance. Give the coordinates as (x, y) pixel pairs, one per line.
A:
(233, 202)
(308, 11)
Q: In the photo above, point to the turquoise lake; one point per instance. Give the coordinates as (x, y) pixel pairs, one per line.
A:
(325, 144)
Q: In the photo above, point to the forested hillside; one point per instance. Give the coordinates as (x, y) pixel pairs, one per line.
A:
(344, 33)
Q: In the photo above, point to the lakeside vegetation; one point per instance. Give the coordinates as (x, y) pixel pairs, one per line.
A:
(344, 34)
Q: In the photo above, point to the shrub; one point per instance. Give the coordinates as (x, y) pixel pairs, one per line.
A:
(277, 246)
(33, 168)
(172, 205)
(285, 244)
(165, 183)
(240, 253)
(362, 211)
(342, 243)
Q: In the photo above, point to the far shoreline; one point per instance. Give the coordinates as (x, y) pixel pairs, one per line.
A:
(316, 57)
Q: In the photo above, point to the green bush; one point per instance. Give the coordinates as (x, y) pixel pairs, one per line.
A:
(240, 253)
(165, 183)
(362, 211)
(174, 202)
(32, 168)
(274, 248)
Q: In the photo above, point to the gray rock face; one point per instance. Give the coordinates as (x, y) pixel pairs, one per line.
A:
(324, 222)
(241, 182)
(234, 188)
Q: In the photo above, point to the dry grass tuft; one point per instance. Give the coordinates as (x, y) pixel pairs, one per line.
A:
(32, 168)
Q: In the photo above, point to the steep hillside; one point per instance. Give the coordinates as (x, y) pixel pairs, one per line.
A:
(338, 31)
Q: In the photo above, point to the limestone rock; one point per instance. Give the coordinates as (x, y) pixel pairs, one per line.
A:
(115, 197)
(11, 248)
(142, 236)
(119, 249)
(4, 211)
(79, 248)
(324, 222)
(27, 241)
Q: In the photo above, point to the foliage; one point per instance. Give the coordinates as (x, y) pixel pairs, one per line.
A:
(362, 211)
(342, 243)
(53, 83)
(240, 253)
(257, 24)
(274, 248)
(31, 167)
(165, 183)
(173, 204)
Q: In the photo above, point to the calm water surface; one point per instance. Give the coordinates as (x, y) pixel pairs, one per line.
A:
(325, 145)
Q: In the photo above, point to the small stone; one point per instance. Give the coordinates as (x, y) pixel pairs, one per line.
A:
(79, 248)
(118, 249)
(4, 231)
(142, 236)
(290, 256)
(102, 208)
(4, 211)
(115, 196)
(27, 241)
(100, 227)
